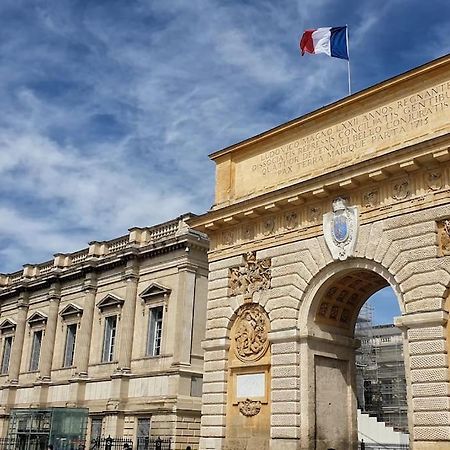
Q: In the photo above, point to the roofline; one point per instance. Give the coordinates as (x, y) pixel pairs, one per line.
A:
(337, 104)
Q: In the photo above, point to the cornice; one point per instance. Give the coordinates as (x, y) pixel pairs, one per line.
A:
(97, 264)
(425, 155)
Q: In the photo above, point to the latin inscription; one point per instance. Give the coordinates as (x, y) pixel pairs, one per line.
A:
(345, 141)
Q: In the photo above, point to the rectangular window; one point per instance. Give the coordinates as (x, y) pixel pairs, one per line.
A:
(71, 336)
(109, 338)
(36, 350)
(6, 354)
(143, 428)
(96, 428)
(155, 331)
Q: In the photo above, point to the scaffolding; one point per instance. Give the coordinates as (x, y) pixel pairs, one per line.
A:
(380, 371)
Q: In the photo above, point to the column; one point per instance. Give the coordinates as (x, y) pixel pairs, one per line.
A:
(127, 320)
(48, 342)
(84, 336)
(17, 347)
(184, 314)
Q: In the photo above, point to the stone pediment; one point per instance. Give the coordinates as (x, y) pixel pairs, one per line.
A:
(71, 310)
(154, 291)
(110, 301)
(7, 325)
(37, 318)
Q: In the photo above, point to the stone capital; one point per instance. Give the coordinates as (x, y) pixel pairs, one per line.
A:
(187, 267)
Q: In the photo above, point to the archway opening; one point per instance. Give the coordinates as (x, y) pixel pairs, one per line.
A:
(380, 370)
(363, 359)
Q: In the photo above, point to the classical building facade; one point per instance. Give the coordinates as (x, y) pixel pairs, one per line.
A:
(310, 219)
(115, 328)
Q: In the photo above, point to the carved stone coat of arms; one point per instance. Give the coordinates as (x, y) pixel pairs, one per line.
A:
(340, 229)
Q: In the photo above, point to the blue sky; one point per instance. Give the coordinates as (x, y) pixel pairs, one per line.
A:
(110, 108)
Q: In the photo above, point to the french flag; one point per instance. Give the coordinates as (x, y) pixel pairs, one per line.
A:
(329, 40)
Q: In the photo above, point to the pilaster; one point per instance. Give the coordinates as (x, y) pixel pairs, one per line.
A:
(83, 344)
(48, 342)
(17, 347)
(131, 278)
(285, 389)
(184, 314)
(428, 377)
(213, 403)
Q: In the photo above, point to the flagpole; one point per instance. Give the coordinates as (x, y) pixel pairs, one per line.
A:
(348, 62)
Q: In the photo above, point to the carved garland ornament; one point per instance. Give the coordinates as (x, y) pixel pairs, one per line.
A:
(250, 337)
(249, 407)
(252, 277)
(444, 243)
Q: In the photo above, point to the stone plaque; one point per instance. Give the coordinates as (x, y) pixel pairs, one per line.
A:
(251, 385)
(315, 149)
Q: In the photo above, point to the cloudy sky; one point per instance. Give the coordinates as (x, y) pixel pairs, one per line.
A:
(110, 108)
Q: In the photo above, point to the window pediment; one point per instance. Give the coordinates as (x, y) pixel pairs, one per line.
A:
(71, 310)
(154, 291)
(37, 318)
(110, 301)
(7, 326)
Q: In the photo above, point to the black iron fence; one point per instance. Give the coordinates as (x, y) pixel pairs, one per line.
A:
(7, 444)
(100, 443)
(153, 443)
(143, 443)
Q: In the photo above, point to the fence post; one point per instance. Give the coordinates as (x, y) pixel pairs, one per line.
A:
(363, 445)
(158, 444)
(108, 443)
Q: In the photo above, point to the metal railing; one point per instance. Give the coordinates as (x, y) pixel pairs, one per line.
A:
(153, 443)
(377, 446)
(143, 443)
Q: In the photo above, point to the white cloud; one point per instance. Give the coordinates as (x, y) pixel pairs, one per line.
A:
(109, 109)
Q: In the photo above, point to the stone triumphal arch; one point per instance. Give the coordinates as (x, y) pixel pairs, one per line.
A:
(310, 219)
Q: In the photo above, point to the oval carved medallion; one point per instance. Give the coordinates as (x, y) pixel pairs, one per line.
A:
(251, 340)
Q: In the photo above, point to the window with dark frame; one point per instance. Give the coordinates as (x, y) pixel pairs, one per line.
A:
(7, 346)
(69, 352)
(36, 350)
(143, 429)
(96, 427)
(109, 338)
(155, 331)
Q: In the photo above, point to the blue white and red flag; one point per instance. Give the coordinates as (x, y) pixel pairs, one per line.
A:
(329, 40)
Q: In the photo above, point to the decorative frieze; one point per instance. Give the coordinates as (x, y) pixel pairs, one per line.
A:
(253, 276)
(292, 217)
